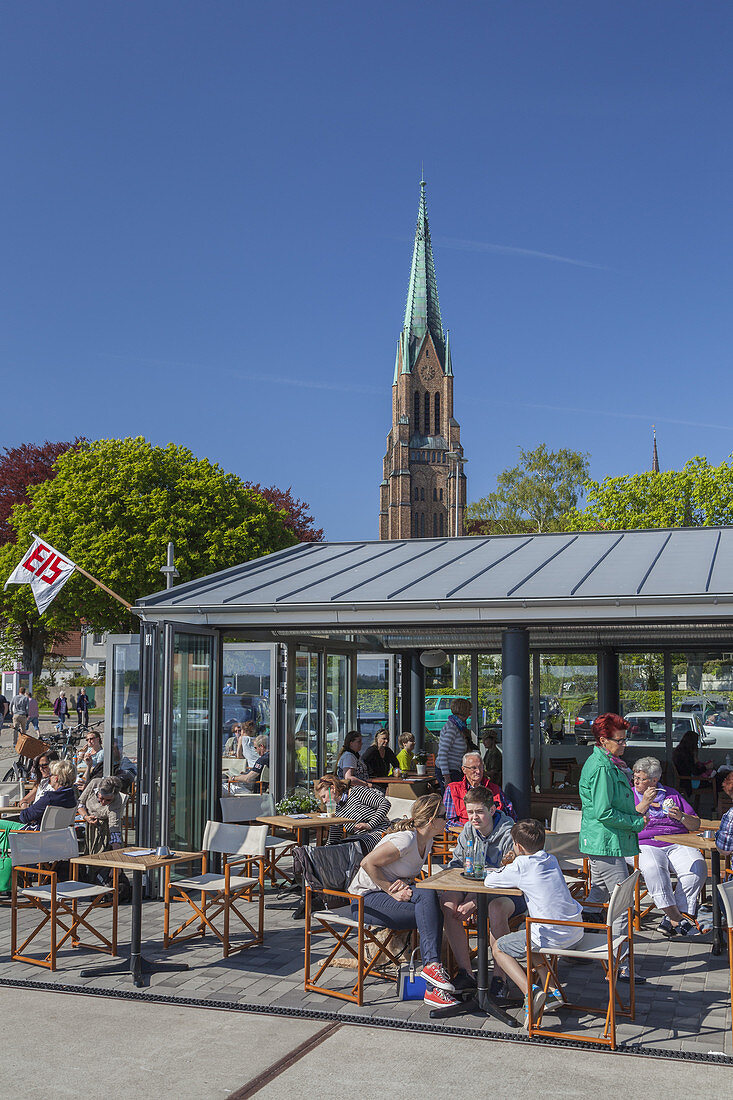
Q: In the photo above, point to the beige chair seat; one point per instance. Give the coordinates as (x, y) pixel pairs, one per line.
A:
(341, 916)
(593, 945)
(69, 891)
(213, 883)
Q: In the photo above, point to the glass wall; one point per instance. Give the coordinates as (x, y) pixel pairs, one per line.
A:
(702, 686)
(245, 705)
(337, 701)
(307, 719)
(191, 740)
(372, 697)
(123, 702)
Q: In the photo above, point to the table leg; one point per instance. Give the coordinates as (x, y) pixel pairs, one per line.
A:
(137, 965)
(717, 920)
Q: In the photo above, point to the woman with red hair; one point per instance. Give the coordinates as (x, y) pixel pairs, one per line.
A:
(611, 820)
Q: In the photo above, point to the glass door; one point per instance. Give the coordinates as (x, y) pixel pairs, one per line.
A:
(191, 696)
(307, 719)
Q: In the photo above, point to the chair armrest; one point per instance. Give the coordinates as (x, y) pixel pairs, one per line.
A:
(565, 923)
(37, 871)
(334, 893)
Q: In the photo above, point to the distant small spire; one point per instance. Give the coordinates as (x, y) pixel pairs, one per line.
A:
(655, 456)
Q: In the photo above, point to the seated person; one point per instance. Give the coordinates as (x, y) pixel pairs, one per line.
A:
(61, 792)
(246, 749)
(379, 758)
(668, 814)
(493, 760)
(92, 759)
(349, 764)
(473, 776)
(537, 874)
(230, 745)
(687, 765)
(306, 761)
(101, 808)
(41, 774)
(487, 831)
(251, 778)
(405, 757)
(724, 835)
(386, 880)
(366, 806)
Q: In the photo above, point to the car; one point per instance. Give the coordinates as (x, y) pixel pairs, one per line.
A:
(584, 720)
(236, 709)
(437, 711)
(648, 729)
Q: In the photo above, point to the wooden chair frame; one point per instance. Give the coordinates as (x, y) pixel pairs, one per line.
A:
(59, 907)
(343, 934)
(725, 890)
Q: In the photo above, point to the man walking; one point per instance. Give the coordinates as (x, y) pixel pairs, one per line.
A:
(82, 708)
(19, 707)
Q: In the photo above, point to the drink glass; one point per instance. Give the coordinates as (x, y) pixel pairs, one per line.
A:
(478, 865)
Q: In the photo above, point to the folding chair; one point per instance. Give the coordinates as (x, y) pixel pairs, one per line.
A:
(57, 817)
(14, 790)
(725, 889)
(598, 944)
(333, 867)
(400, 807)
(561, 767)
(220, 893)
(564, 820)
(243, 808)
(574, 866)
(54, 899)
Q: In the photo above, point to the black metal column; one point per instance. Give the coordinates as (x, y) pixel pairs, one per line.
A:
(515, 745)
(405, 695)
(417, 700)
(608, 682)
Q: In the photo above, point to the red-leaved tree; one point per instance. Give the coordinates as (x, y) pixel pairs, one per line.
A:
(299, 520)
(29, 464)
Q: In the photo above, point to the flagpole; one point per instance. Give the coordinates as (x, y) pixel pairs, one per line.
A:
(103, 586)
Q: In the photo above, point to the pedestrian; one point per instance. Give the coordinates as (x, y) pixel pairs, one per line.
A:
(19, 707)
(33, 711)
(82, 708)
(61, 709)
(4, 708)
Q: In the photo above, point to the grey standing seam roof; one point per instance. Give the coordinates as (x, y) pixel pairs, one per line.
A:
(569, 567)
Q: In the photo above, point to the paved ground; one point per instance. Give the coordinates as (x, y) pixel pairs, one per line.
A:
(94, 1047)
(684, 1006)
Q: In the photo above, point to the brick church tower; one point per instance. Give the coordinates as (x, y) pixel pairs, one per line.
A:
(422, 469)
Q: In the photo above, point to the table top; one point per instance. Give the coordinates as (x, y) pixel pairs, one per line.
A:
(689, 840)
(11, 811)
(411, 777)
(451, 878)
(312, 821)
(120, 857)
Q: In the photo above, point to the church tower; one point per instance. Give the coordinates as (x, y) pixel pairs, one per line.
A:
(423, 482)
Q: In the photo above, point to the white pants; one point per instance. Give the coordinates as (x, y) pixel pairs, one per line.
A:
(688, 864)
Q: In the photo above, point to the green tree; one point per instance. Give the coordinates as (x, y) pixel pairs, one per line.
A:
(112, 507)
(699, 495)
(534, 495)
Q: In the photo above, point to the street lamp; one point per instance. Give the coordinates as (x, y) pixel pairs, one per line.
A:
(460, 462)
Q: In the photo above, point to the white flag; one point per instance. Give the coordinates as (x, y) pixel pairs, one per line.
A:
(45, 570)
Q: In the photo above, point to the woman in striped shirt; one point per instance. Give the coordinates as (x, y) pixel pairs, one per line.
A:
(367, 808)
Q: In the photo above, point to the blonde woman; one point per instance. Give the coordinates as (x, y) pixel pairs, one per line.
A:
(386, 880)
(61, 792)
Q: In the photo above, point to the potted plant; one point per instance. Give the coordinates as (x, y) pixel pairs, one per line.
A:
(421, 760)
(298, 804)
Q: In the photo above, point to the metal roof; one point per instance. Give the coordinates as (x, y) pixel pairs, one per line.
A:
(679, 575)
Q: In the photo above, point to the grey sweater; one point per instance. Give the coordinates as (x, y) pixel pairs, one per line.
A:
(495, 845)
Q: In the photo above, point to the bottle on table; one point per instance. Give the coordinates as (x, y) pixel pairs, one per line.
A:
(468, 864)
(479, 862)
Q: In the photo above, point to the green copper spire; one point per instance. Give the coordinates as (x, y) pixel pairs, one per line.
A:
(422, 311)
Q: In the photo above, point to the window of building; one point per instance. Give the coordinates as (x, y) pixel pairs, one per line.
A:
(416, 404)
(435, 493)
(441, 494)
(414, 525)
(417, 493)
(422, 493)
(437, 414)
(422, 525)
(427, 414)
(441, 523)
(435, 525)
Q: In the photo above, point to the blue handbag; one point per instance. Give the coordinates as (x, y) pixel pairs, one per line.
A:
(411, 987)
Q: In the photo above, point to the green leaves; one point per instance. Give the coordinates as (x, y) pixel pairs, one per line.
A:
(532, 496)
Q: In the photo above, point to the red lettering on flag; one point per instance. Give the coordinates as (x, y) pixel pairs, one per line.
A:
(52, 569)
(36, 556)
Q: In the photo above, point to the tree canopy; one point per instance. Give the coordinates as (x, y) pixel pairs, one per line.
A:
(298, 517)
(699, 495)
(29, 464)
(112, 507)
(532, 496)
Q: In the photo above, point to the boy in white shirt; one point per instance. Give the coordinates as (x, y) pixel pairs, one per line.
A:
(537, 874)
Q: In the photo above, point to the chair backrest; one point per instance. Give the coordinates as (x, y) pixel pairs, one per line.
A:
(330, 867)
(725, 889)
(264, 779)
(14, 790)
(563, 845)
(565, 821)
(622, 898)
(57, 817)
(28, 847)
(235, 840)
(246, 807)
(400, 807)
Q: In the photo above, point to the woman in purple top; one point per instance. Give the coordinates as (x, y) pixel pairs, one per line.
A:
(669, 814)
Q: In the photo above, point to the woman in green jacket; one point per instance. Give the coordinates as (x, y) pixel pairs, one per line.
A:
(611, 821)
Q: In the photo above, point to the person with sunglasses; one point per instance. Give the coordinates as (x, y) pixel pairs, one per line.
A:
(611, 821)
(41, 774)
(386, 879)
(101, 809)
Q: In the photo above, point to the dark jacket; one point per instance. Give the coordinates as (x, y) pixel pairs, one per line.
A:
(376, 765)
(82, 704)
(61, 707)
(64, 796)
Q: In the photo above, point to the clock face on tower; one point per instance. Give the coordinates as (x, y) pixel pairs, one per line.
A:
(428, 371)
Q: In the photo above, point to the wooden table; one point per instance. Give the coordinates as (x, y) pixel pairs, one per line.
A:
(704, 844)
(301, 825)
(405, 785)
(137, 865)
(452, 879)
(11, 811)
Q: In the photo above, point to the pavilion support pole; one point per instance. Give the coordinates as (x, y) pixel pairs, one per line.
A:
(417, 700)
(515, 718)
(405, 694)
(668, 772)
(608, 682)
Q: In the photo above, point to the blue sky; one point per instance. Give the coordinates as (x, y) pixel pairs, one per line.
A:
(209, 210)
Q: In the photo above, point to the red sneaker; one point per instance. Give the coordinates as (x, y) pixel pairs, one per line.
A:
(435, 974)
(437, 998)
